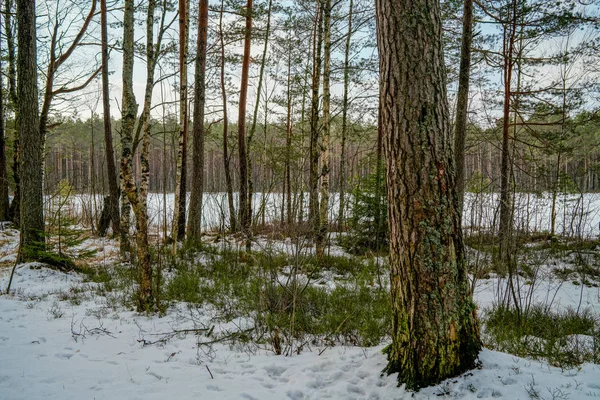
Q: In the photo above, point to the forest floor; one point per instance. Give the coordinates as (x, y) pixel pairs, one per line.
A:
(66, 336)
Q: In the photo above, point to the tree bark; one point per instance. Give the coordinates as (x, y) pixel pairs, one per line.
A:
(324, 175)
(314, 153)
(243, 206)
(255, 114)
(195, 218)
(113, 185)
(4, 205)
(345, 120)
(14, 210)
(128, 117)
(226, 165)
(30, 137)
(462, 102)
(434, 331)
(181, 180)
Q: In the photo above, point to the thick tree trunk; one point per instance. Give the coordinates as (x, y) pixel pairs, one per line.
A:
(462, 102)
(113, 183)
(324, 175)
(434, 332)
(30, 137)
(227, 167)
(243, 206)
(195, 218)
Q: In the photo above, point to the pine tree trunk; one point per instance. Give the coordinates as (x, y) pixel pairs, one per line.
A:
(255, 115)
(434, 331)
(227, 167)
(30, 137)
(288, 145)
(243, 206)
(111, 167)
(462, 102)
(195, 218)
(506, 217)
(345, 120)
(314, 153)
(324, 175)
(14, 210)
(181, 179)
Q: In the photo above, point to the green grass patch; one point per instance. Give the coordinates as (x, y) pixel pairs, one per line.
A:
(565, 339)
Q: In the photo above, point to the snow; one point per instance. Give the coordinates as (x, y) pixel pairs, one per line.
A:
(55, 349)
(60, 339)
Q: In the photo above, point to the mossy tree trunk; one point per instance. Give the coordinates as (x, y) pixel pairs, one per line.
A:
(434, 333)
(30, 136)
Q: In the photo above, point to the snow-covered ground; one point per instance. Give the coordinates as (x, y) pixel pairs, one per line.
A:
(56, 349)
(61, 339)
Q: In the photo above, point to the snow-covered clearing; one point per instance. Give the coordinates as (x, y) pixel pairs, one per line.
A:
(55, 349)
(61, 339)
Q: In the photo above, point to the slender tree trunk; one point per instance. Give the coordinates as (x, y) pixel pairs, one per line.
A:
(345, 120)
(226, 165)
(288, 144)
(434, 331)
(324, 175)
(181, 180)
(111, 167)
(255, 115)
(314, 153)
(195, 219)
(137, 197)
(128, 117)
(4, 205)
(14, 210)
(31, 140)
(462, 104)
(506, 220)
(244, 207)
